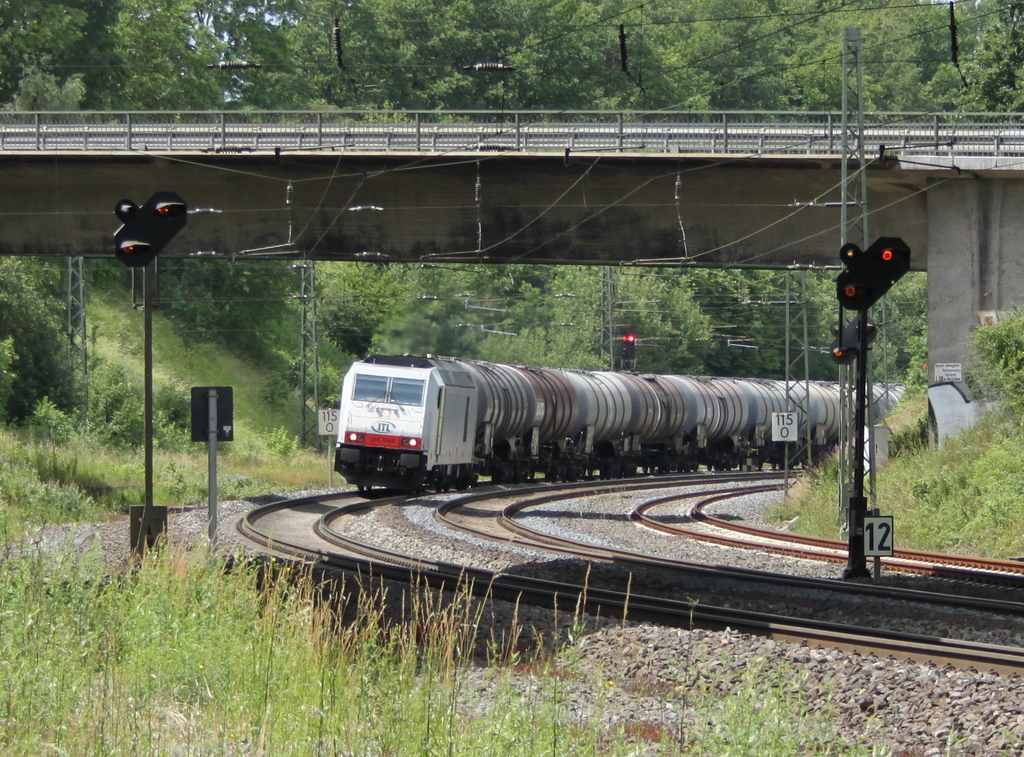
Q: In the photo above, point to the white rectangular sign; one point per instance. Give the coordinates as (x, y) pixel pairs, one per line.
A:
(328, 421)
(878, 536)
(948, 372)
(784, 427)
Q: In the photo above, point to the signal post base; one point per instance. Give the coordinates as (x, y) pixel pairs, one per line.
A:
(147, 527)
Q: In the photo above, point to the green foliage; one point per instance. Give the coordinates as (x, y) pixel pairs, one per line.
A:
(116, 405)
(247, 306)
(38, 90)
(996, 70)
(7, 377)
(281, 443)
(414, 54)
(33, 351)
(39, 486)
(51, 423)
(909, 424)
(999, 369)
(183, 656)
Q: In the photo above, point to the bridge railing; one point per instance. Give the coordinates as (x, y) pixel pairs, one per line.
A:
(713, 132)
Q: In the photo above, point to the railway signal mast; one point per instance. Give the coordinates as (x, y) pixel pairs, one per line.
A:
(867, 276)
(143, 234)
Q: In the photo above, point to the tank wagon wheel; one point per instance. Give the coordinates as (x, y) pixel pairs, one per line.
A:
(526, 472)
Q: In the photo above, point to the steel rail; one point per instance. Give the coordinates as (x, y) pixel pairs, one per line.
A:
(960, 567)
(502, 527)
(573, 597)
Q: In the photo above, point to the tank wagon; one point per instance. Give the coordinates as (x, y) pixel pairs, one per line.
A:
(415, 422)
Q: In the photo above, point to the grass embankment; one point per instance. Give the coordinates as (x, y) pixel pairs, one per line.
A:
(966, 496)
(59, 471)
(183, 658)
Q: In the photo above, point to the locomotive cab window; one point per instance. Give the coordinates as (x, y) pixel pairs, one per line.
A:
(370, 389)
(406, 391)
(398, 391)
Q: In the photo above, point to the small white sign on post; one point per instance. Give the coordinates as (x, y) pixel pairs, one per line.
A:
(327, 425)
(949, 372)
(784, 427)
(878, 536)
(328, 421)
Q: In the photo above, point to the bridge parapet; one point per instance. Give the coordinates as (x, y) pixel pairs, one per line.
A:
(747, 133)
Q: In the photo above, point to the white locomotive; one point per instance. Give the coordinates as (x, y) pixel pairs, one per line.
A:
(415, 422)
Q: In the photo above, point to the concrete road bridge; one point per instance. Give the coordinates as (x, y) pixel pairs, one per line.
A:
(742, 189)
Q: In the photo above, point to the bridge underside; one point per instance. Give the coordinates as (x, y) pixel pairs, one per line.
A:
(477, 207)
(704, 210)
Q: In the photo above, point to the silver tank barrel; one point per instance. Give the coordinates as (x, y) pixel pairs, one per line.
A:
(558, 405)
(506, 398)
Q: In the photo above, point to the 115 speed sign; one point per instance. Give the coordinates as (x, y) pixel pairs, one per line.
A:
(784, 427)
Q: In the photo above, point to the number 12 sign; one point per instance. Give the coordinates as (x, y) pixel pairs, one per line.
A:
(878, 536)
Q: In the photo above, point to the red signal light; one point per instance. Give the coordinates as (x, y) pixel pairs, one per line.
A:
(887, 255)
(629, 338)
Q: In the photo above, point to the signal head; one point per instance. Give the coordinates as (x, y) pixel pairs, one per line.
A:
(848, 253)
(147, 230)
(170, 208)
(125, 209)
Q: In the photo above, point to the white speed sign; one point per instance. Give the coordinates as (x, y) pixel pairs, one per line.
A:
(328, 421)
(784, 427)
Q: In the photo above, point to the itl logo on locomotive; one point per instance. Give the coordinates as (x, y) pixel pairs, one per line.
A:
(383, 427)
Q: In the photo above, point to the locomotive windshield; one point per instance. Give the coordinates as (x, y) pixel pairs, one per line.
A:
(398, 391)
(406, 391)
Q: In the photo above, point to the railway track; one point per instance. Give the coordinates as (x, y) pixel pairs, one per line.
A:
(313, 530)
(734, 534)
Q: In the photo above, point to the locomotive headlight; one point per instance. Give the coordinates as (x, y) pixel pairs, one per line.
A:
(410, 442)
(352, 436)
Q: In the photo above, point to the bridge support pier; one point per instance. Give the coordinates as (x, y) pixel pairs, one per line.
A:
(975, 274)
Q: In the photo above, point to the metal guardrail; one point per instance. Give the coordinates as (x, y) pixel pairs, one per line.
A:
(721, 132)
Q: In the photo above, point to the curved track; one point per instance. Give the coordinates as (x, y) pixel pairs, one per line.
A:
(311, 530)
(961, 567)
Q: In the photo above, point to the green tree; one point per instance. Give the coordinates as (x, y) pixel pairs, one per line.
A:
(55, 47)
(996, 70)
(31, 325)
(39, 90)
(164, 46)
(247, 305)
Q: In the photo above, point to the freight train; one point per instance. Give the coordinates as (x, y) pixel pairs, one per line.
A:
(411, 423)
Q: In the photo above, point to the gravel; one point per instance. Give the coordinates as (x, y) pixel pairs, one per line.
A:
(641, 675)
(650, 681)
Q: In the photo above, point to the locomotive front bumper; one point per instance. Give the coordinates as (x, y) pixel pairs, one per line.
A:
(388, 468)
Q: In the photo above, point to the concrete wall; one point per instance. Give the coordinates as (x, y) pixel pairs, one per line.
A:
(975, 275)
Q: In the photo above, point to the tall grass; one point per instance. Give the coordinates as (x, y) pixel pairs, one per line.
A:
(963, 496)
(185, 658)
(44, 483)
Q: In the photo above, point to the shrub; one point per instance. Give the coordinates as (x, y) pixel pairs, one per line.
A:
(51, 423)
(999, 370)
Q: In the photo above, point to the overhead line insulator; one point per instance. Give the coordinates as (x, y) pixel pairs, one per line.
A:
(234, 64)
